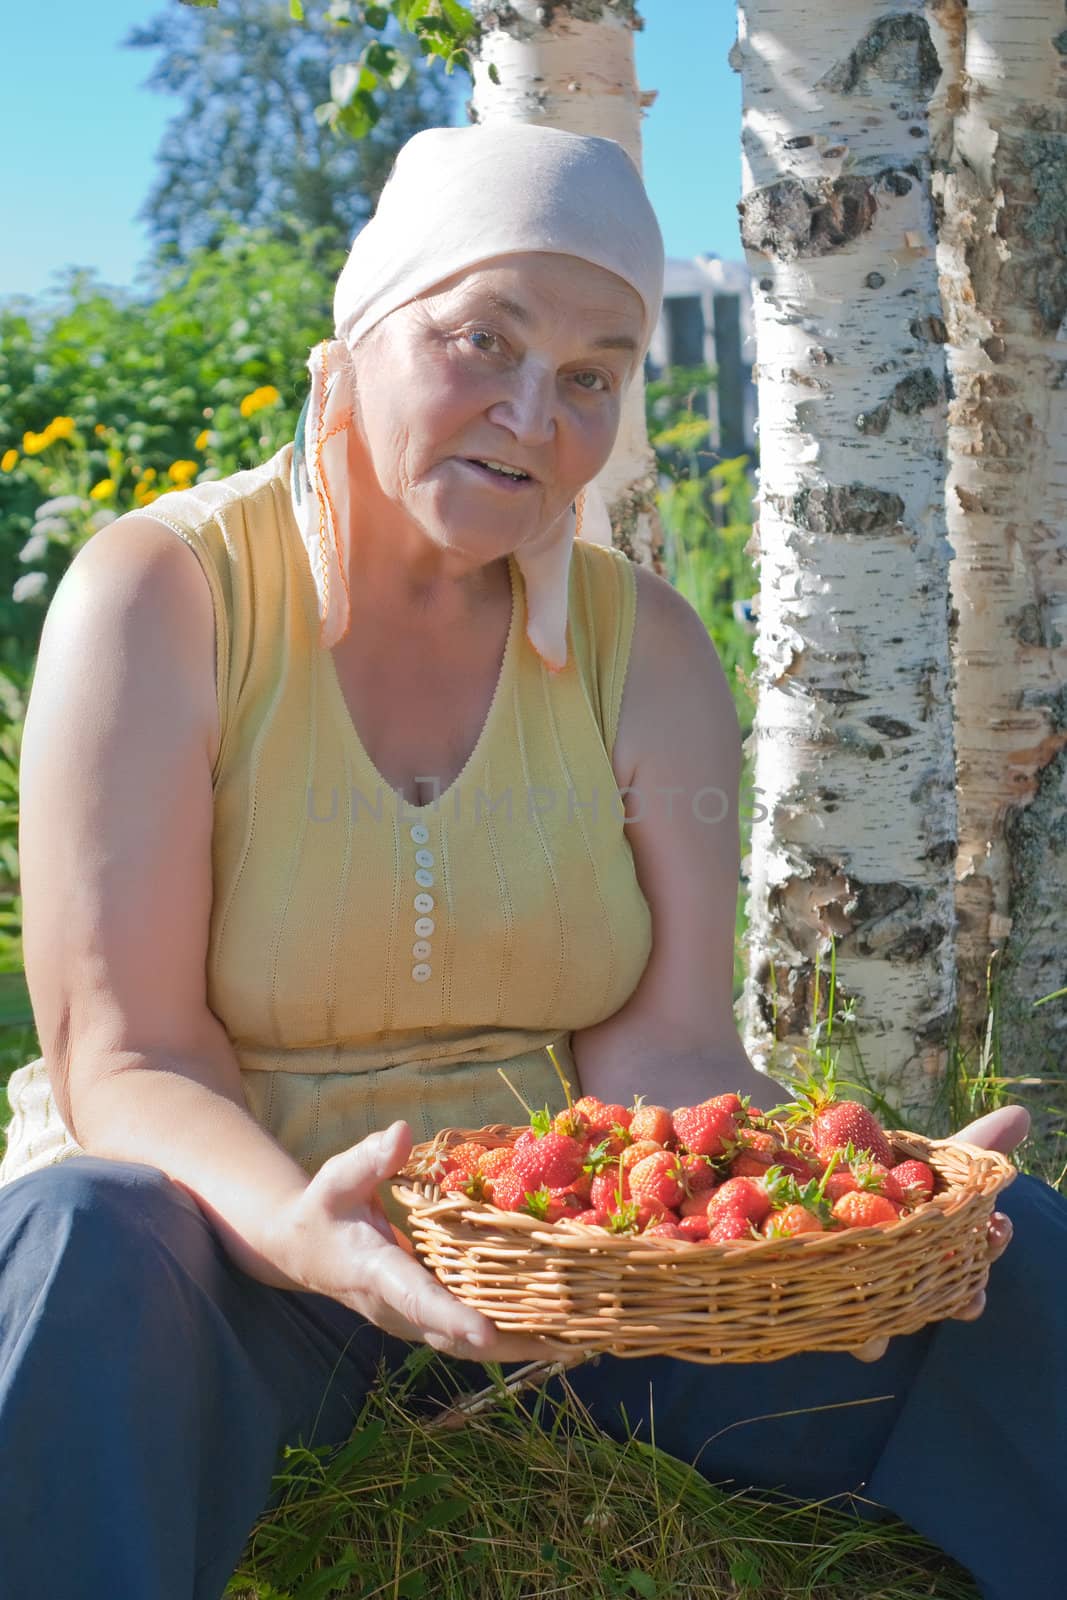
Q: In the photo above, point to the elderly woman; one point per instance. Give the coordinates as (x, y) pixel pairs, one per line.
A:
(347, 780)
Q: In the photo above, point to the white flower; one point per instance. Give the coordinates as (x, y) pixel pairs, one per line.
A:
(35, 546)
(29, 586)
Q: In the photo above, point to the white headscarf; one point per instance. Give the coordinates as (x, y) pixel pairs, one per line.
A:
(458, 197)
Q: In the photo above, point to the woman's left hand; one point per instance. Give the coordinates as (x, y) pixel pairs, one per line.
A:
(1001, 1130)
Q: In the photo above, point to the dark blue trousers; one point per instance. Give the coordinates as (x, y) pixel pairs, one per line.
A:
(147, 1388)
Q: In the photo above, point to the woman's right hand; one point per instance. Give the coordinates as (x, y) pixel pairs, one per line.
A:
(334, 1239)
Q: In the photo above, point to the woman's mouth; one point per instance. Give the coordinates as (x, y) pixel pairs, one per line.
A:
(500, 473)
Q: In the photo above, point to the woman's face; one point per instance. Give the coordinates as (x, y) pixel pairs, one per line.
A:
(519, 364)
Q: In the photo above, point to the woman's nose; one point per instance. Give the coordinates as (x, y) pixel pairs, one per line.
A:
(528, 409)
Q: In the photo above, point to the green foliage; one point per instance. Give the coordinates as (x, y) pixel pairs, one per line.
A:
(287, 122)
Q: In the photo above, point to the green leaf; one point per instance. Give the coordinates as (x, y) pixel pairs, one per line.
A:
(441, 1514)
(296, 10)
(15, 1008)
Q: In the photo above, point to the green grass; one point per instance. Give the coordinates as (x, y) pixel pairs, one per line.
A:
(530, 1500)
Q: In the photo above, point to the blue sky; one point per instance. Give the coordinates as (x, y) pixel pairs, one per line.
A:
(72, 104)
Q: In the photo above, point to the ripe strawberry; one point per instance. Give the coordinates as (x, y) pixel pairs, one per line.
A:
(864, 1210)
(657, 1179)
(698, 1175)
(606, 1187)
(509, 1191)
(740, 1194)
(749, 1164)
(554, 1160)
(845, 1122)
(637, 1152)
(464, 1158)
(704, 1130)
(911, 1183)
(728, 1225)
(652, 1122)
(694, 1228)
(786, 1224)
(732, 1103)
(572, 1123)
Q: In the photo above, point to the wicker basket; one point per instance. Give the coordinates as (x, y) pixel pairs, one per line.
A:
(750, 1300)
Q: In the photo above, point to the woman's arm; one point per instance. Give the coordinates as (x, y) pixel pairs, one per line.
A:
(115, 845)
(678, 754)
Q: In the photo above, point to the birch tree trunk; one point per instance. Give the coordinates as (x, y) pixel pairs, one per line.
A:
(570, 64)
(854, 774)
(1003, 260)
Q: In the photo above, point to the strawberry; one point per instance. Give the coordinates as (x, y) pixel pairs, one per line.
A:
(464, 1158)
(664, 1230)
(554, 1160)
(509, 1191)
(729, 1224)
(740, 1194)
(698, 1175)
(704, 1130)
(657, 1179)
(572, 1123)
(790, 1221)
(651, 1122)
(606, 1188)
(694, 1228)
(864, 1210)
(911, 1183)
(732, 1103)
(637, 1152)
(844, 1122)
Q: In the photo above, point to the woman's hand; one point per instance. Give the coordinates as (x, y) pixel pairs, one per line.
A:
(335, 1239)
(999, 1130)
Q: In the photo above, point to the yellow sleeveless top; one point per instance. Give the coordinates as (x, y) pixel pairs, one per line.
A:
(370, 959)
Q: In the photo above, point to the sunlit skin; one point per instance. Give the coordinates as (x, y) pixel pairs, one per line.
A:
(524, 361)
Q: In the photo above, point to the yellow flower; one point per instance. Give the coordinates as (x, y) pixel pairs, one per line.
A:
(202, 440)
(60, 427)
(259, 399)
(7, 460)
(182, 472)
(102, 490)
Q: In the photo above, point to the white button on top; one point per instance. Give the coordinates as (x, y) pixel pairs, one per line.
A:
(424, 926)
(424, 858)
(420, 833)
(421, 972)
(423, 878)
(420, 949)
(423, 903)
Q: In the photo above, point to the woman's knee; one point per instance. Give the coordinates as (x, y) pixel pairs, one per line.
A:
(99, 1222)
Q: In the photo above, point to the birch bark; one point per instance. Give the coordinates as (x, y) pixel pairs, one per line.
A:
(853, 754)
(570, 65)
(1003, 260)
